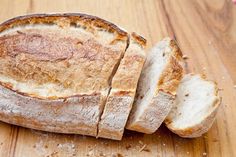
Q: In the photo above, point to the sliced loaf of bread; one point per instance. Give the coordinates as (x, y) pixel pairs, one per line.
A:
(195, 107)
(157, 85)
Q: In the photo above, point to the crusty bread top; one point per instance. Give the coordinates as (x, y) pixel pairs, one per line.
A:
(126, 81)
(59, 55)
(92, 22)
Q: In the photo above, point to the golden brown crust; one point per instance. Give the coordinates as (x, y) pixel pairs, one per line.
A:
(87, 20)
(139, 39)
(80, 63)
(126, 80)
(173, 72)
(171, 77)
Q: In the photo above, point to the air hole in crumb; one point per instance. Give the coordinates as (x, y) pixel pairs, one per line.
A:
(19, 32)
(141, 97)
(73, 24)
(79, 43)
(187, 95)
(163, 55)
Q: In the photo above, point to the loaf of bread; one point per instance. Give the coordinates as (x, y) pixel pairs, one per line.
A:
(80, 74)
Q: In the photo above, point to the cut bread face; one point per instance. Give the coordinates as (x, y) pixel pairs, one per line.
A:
(157, 85)
(124, 84)
(56, 69)
(195, 107)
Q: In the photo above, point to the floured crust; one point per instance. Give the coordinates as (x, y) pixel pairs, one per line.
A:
(124, 84)
(161, 103)
(153, 116)
(77, 115)
(56, 70)
(202, 127)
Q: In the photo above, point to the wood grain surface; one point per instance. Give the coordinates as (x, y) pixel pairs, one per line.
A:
(206, 33)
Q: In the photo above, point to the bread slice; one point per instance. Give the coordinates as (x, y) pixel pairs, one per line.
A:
(124, 84)
(195, 107)
(55, 70)
(156, 90)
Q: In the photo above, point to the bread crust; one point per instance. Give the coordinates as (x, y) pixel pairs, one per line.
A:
(202, 127)
(77, 113)
(159, 106)
(61, 115)
(87, 20)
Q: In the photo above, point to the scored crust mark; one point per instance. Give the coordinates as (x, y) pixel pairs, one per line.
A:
(57, 61)
(160, 77)
(124, 84)
(196, 122)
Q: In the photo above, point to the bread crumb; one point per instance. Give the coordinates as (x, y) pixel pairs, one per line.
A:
(91, 152)
(220, 89)
(146, 149)
(185, 57)
(187, 152)
(141, 149)
(117, 155)
(53, 154)
(101, 154)
(140, 142)
(164, 144)
(204, 154)
(127, 147)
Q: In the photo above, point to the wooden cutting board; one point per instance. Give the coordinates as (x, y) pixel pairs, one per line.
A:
(206, 33)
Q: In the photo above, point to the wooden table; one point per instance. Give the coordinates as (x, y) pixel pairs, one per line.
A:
(206, 33)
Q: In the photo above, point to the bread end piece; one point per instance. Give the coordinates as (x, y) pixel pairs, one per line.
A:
(194, 90)
(156, 88)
